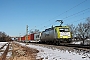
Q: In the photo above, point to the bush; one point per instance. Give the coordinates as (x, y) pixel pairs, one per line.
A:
(4, 37)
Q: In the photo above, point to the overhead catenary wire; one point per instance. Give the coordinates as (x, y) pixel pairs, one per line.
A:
(76, 13)
(64, 13)
(65, 24)
(79, 19)
(72, 15)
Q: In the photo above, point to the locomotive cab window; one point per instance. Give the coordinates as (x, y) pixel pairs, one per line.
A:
(64, 29)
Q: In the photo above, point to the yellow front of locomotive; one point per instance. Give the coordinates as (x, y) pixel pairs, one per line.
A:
(63, 33)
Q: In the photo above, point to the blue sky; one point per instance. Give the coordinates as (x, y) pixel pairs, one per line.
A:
(40, 14)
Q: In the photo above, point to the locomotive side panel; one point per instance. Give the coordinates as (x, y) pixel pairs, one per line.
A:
(51, 35)
(47, 35)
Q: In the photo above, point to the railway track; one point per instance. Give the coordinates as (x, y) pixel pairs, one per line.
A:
(3, 46)
(79, 46)
(3, 56)
(70, 45)
(67, 46)
(75, 45)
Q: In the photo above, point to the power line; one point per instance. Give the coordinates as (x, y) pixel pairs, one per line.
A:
(80, 19)
(81, 14)
(66, 11)
(77, 13)
(71, 15)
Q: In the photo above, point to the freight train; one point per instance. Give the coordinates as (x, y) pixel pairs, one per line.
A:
(56, 35)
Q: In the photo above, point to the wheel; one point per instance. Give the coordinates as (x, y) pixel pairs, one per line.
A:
(57, 43)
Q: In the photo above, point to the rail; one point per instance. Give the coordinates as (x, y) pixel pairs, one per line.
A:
(3, 56)
(3, 46)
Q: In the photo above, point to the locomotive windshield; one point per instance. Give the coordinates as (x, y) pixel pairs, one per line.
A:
(64, 29)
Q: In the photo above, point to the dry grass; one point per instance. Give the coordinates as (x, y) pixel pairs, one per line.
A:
(23, 53)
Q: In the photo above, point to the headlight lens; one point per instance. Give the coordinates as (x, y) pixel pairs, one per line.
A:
(61, 37)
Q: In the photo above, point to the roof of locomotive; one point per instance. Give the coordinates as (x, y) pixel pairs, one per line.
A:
(62, 26)
(55, 27)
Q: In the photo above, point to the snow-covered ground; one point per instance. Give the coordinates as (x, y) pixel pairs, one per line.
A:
(86, 42)
(57, 54)
(77, 42)
(1, 44)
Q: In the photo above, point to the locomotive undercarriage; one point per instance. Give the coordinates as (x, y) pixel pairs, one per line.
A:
(56, 41)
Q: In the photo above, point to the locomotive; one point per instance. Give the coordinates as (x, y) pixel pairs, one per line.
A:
(57, 35)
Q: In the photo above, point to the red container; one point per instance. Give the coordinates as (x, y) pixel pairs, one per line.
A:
(18, 38)
(29, 37)
(22, 38)
(32, 36)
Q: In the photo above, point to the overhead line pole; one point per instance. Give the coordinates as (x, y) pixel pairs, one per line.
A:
(26, 33)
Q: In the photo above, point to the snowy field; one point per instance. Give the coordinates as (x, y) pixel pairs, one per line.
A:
(1, 44)
(86, 42)
(57, 54)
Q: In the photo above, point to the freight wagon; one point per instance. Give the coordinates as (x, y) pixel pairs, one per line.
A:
(35, 37)
(30, 38)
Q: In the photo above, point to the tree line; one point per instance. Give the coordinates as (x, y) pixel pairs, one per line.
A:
(4, 37)
(81, 31)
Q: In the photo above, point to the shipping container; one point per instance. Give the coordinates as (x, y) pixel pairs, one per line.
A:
(32, 36)
(22, 38)
(29, 37)
(37, 36)
(18, 38)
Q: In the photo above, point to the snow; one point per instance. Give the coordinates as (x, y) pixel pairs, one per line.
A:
(4, 48)
(86, 42)
(1, 44)
(77, 42)
(57, 54)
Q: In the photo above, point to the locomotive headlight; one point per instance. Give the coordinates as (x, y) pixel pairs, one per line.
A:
(61, 37)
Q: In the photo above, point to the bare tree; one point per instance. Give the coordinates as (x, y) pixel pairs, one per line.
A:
(88, 27)
(4, 37)
(83, 30)
(73, 30)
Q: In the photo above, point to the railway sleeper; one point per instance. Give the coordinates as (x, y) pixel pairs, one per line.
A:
(3, 56)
